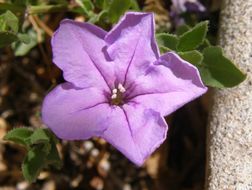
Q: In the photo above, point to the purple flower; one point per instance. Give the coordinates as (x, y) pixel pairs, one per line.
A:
(181, 6)
(118, 86)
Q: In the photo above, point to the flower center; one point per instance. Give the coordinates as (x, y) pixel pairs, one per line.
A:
(117, 95)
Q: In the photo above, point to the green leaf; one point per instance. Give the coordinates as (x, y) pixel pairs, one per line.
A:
(134, 5)
(99, 4)
(19, 135)
(43, 152)
(96, 17)
(39, 136)
(21, 49)
(218, 71)
(33, 163)
(182, 29)
(8, 28)
(118, 8)
(41, 147)
(193, 38)
(51, 136)
(53, 157)
(10, 20)
(103, 4)
(194, 57)
(87, 6)
(7, 38)
(25, 38)
(163, 49)
(169, 41)
(3, 25)
(39, 158)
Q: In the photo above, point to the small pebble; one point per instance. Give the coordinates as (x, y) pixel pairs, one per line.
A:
(88, 145)
(127, 187)
(97, 183)
(76, 181)
(105, 165)
(49, 185)
(22, 185)
(95, 152)
(43, 175)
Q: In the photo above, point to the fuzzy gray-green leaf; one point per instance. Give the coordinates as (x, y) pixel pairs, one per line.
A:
(33, 164)
(193, 38)
(218, 71)
(117, 8)
(10, 20)
(194, 57)
(39, 136)
(169, 41)
(19, 135)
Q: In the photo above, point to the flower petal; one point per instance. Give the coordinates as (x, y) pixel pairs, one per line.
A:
(78, 49)
(194, 6)
(73, 113)
(136, 132)
(132, 46)
(168, 85)
(179, 5)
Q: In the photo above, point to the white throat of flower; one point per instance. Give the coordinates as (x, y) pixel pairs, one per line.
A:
(117, 95)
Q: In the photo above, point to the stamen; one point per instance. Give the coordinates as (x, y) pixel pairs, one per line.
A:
(114, 96)
(117, 95)
(114, 91)
(121, 88)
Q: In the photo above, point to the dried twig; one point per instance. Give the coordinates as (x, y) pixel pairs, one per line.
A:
(47, 30)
